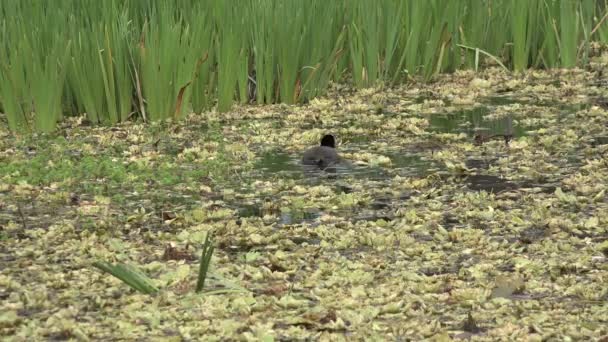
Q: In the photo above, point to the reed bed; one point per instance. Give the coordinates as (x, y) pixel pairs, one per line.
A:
(154, 60)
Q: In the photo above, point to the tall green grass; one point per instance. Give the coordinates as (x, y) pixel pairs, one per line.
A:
(154, 60)
(13, 88)
(34, 65)
(100, 71)
(600, 22)
(232, 52)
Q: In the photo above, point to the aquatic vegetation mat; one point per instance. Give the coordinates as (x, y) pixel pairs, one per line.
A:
(434, 226)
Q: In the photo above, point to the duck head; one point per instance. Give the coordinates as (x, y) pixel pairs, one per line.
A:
(328, 140)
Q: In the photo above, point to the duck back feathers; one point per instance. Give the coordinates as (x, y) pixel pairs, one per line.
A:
(324, 155)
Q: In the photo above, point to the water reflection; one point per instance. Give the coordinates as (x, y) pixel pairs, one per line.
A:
(473, 121)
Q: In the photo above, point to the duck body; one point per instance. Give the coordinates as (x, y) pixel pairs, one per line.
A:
(322, 156)
(479, 139)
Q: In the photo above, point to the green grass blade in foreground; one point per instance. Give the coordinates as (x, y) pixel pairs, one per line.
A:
(129, 275)
(205, 261)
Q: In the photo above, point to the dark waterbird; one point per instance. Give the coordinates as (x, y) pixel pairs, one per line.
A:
(481, 138)
(324, 155)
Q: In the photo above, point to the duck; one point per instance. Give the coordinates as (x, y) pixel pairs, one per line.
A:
(324, 155)
(481, 138)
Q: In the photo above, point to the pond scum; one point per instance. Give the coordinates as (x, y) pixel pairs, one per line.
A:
(470, 201)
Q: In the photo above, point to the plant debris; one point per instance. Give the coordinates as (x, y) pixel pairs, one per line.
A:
(419, 231)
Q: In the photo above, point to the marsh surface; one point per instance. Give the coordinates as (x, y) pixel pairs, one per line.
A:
(421, 233)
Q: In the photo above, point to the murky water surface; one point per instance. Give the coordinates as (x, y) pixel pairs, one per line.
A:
(406, 161)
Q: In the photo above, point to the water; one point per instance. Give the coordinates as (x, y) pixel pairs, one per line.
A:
(409, 160)
(472, 121)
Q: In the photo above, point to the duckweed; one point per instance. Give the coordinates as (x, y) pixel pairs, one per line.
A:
(424, 234)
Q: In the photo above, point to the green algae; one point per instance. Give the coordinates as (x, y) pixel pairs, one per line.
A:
(421, 234)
